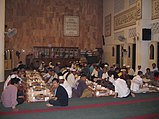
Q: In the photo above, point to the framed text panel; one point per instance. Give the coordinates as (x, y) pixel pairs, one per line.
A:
(71, 25)
(125, 19)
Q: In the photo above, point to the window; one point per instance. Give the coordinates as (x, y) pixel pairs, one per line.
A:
(151, 52)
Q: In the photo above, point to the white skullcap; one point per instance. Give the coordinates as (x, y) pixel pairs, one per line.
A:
(61, 77)
(72, 69)
(12, 76)
(106, 65)
(123, 69)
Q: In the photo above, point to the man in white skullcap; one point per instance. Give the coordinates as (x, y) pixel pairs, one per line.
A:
(66, 85)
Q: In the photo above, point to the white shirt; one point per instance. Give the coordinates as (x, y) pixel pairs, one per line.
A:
(136, 83)
(105, 75)
(121, 88)
(94, 73)
(111, 79)
(67, 88)
(41, 67)
(71, 80)
(155, 69)
(131, 72)
(47, 75)
(136, 73)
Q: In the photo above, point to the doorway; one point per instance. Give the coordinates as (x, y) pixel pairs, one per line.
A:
(118, 55)
(134, 56)
(158, 55)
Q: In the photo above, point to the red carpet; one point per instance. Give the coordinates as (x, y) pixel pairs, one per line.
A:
(150, 116)
(52, 109)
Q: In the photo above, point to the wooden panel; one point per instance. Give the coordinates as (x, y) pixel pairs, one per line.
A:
(40, 23)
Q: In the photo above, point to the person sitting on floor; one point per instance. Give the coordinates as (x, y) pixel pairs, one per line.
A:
(51, 65)
(154, 67)
(61, 96)
(70, 77)
(137, 84)
(52, 75)
(82, 88)
(155, 80)
(148, 74)
(42, 67)
(139, 68)
(57, 67)
(109, 81)
(131, 71)
(47, 75)
(125, 76)
(12, 75)
(121, 88)
(94, 73)
(66, 85)
(21, 65)
(9, 95)
(16, 73)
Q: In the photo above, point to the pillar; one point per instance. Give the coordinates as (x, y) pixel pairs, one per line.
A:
(2, 25)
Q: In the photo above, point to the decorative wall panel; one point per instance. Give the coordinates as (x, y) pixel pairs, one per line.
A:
(125, 19)
(132, 32)
(155, 9)
(155, 28)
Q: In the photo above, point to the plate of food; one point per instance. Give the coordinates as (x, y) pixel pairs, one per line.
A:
(40, 97)
(36, 83)
(38, 88)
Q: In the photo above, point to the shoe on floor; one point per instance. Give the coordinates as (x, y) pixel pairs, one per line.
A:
(133, 95)
(49, 105)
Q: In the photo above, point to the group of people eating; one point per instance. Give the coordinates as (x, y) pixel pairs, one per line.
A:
(71, 82)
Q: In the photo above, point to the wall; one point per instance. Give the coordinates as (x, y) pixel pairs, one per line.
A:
(116, 7)
(40, 23)
(112, 40)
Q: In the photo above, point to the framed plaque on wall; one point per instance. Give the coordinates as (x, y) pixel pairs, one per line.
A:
(71, 25)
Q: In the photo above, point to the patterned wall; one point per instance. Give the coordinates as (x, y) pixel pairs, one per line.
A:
(132, 32)
(155, 28)
(118, 5)
(131, 2)
(40, 23)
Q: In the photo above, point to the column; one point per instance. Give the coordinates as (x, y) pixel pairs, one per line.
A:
(142, 49)
(2, 24)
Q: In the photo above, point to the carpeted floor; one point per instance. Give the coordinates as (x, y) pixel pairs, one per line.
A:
(143, 106)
